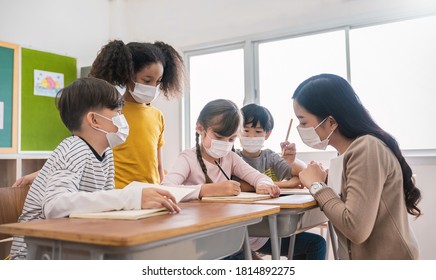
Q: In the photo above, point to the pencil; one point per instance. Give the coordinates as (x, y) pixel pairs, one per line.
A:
(287, 134)
(289, 129)
(222, 170)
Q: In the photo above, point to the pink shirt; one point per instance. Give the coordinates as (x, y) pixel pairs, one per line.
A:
(186, 172)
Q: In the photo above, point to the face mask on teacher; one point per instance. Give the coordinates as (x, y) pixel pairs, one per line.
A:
(144, 93)
(311, 138)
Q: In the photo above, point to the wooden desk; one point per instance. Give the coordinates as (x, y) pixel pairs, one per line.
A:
(297, 213)
(200, 231)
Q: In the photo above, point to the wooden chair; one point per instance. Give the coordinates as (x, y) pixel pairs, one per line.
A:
(11, 205)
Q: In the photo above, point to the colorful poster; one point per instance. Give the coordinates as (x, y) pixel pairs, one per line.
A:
(47, 83)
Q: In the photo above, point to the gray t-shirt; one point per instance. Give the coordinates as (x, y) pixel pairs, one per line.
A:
(270, 163)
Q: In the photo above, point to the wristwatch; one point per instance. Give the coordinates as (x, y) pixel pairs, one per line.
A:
(315, 187)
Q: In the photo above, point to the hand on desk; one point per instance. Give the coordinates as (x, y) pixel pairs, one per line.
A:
(272, 190)
(293, 183)
(225, 188)
(25, 180)
(156, 198)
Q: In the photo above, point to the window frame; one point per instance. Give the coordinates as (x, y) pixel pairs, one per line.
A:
(252, 94)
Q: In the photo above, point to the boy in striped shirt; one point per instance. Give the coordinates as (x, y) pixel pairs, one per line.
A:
(79, 175)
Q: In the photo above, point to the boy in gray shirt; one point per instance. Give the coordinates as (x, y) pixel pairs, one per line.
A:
(258, 125)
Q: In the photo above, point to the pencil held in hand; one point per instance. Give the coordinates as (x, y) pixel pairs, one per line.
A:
(289, 130)
(287, 136)
(222, 170)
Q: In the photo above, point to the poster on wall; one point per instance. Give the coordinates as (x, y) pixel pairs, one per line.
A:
(47, 83)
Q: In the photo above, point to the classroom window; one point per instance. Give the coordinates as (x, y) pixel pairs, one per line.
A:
(390, 66)
(284, 64)
(393, 70)
(212, 76)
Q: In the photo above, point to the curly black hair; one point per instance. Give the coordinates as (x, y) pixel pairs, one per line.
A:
(117, 63)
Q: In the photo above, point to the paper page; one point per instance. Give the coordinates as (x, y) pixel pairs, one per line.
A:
(294, 191)
(122, 215)
(47, 83)
(298, 199)
(178, 192)
(248, 196)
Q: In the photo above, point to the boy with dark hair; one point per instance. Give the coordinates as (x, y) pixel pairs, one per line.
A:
(79, 174)
(258, 125)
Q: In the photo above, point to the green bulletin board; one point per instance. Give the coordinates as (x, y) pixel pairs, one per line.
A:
(8, 97)
(41, 126)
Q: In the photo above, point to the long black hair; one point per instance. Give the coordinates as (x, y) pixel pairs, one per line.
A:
(330, 95)
(117, 63)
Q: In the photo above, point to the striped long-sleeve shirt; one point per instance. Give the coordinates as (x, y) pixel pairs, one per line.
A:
(74, 179)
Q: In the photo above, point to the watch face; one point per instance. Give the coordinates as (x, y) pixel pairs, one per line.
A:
(315, 187)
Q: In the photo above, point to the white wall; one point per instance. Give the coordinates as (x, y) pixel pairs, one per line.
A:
(76, 28)
(192, 22)
(425, 226)
(79, 28)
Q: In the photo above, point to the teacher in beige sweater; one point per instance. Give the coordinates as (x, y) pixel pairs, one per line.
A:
(369, 191)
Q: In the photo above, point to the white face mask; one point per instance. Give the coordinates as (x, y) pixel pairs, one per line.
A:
(218, 149)
(119, 137)
(252, 144)
(144, 93)
(311, 138)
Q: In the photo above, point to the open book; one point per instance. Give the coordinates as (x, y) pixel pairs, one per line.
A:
(178, 192)
(284, 191)
(242, 196)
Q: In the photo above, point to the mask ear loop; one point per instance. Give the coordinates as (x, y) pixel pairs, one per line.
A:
(94, 120)
(331, 131)
(320, 123)
(134, 85)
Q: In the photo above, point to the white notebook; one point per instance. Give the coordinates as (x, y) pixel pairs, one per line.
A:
(122, 214)
(178, 192)
(242, 196)
(294, 191)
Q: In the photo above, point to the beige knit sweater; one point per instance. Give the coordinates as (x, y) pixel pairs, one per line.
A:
(370, 214)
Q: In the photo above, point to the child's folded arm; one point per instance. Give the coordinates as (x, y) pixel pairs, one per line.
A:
(63, 197)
